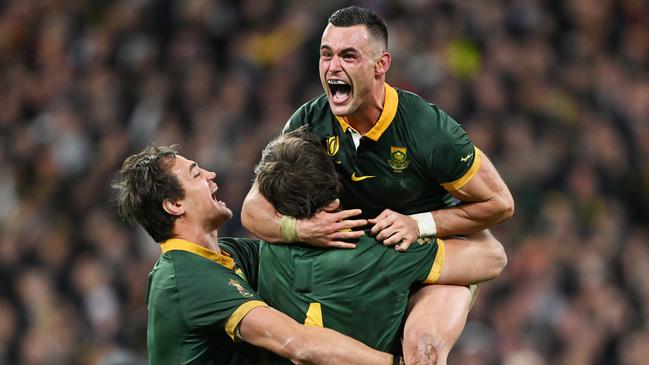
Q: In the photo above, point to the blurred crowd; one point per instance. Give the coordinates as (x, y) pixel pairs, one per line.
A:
(555, 92)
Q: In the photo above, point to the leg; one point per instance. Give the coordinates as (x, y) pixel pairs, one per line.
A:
(436, 318)
(472, 259)
(437, 313)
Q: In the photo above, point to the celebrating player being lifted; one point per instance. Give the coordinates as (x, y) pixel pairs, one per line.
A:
(362, 292)
(200, 296)
(401, 161)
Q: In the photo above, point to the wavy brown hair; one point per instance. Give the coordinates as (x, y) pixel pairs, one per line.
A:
(296, 175)
(144, 182)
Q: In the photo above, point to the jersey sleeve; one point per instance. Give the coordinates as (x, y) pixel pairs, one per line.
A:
(215, 299)
(454, 158)
(296, 120)
(422, 262)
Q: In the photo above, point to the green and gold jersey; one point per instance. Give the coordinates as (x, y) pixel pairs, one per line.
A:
(407, 162)
(195, 300)
(362, 292)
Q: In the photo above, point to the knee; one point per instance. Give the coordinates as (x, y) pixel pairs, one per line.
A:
(499, 259)
(425, 350)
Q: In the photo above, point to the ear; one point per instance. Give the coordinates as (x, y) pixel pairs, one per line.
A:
(382, 64)
(173, 207)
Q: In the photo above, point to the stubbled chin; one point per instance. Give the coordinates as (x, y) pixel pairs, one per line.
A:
(339, 110)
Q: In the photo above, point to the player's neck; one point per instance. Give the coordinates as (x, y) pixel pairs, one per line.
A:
(198, 235)
(367, 115)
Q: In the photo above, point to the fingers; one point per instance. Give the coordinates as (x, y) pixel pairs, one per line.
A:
(394, 229)
(405, 243)
(348, 213)
(332, 206)
(380, 223)
(339, 244)
(346, 235)
(386, 233)
(338, 239)
(350, 224)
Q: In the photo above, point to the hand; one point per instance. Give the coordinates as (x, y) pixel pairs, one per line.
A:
(328, 228)
(393, 229)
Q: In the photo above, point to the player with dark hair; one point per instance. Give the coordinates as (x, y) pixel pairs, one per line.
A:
(200, 298)
(403, 164)
(363, 292)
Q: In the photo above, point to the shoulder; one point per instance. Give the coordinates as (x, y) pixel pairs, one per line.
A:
(315, 105)
(310, 112)
(240, 247)
(426, 119)
(418, 112)
(189, 268)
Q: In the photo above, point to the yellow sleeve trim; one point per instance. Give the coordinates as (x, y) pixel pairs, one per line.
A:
(314, 316)
(236, 317)
(436, 270)
(459, 183)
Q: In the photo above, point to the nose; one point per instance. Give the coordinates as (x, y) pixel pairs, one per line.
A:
(211, 175)
(335, 64)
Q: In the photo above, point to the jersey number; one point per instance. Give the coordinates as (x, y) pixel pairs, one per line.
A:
(314, 315)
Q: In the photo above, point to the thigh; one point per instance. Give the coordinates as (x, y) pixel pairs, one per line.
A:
(436, 317)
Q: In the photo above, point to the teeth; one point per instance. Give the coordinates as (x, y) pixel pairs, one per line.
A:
(336, 82)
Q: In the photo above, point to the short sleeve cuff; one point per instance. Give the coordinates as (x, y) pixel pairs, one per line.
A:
(233, 322)
(436, 270)
(459, 183)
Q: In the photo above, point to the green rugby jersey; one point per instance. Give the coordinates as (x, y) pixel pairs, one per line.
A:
(362, 293)
(196, 299)
(407, 162)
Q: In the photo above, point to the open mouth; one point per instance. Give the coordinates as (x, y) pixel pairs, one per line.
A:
(340, 90)
(214, 190)
(217, 201)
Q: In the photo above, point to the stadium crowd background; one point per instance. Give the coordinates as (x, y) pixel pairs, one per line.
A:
(556, 92)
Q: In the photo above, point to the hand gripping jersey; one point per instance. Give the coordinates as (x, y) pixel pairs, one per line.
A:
(407, 162)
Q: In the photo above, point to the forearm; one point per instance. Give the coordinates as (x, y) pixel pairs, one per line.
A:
(259, 217)
(486, 201)
(275, 331)
(467, 218)
(327, 228)
(336, 348)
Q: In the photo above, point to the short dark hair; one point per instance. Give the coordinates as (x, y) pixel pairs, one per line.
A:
(296, 175)
(354, 15)
(144, 182)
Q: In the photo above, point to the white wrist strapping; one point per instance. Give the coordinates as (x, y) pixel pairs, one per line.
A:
(426, 224)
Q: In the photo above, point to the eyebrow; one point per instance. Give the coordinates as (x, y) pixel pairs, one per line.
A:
(192, 166)
(342, 51)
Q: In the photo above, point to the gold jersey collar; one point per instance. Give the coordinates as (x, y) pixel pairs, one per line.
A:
(183, 245)
(387, 115)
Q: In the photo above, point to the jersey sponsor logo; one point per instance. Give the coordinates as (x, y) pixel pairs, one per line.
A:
(467, 157)
(333, 145)
(361, 178)
(240, 288)
(398, 158)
